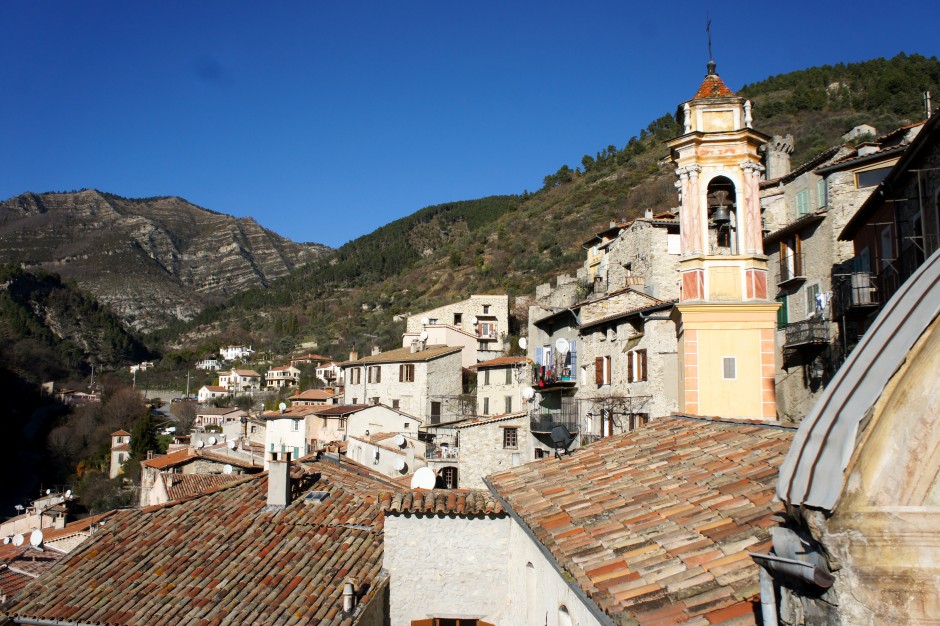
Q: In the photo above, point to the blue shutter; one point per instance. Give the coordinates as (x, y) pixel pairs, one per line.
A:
(538, 356)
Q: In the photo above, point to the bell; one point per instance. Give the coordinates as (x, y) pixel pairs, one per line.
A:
(722, 215)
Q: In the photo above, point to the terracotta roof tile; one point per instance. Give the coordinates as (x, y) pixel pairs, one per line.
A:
(712, 87)
(405, 355)
(656, 524)
(222, 558)
(463, 502)
(181, 485)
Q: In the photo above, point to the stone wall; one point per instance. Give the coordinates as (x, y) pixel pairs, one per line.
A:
(640, 258)
(447, 567)
(482, 452)
(468, 309)
(493, 396)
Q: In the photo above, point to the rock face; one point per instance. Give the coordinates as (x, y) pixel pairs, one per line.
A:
(153, 261)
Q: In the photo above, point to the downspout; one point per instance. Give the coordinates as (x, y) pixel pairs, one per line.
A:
(768, 599)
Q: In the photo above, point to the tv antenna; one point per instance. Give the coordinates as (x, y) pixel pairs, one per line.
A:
(708, 29)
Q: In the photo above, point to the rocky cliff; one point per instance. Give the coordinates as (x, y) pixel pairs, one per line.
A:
(152, 260)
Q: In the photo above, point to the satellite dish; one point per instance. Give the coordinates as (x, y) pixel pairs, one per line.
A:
(200, 444)
(400, 441)
(423, 336)
(48, 491)
(35, 538)
(399, 465)
(425, 321)
(232, 444)
(18, 540)
(6, 540)
(528, 393)
(523, 343)
(68, 494)
(282, 406)
(227, 469)
(423, 478)
(474, 321)
(562, 345)
(212, 441)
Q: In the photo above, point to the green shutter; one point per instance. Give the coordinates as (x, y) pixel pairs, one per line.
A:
(821, 193)
(782, 312)
(802, 202)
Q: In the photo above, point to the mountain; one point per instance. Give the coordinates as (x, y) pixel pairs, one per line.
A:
(153, 260)
(510, 244)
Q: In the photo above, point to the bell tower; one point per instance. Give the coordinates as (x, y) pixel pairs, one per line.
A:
(725, 320)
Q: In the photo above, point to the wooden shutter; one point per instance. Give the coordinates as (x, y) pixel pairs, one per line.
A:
(599, 370)
(641, 364)
(630, 366)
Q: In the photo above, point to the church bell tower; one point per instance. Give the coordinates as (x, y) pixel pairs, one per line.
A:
(724, 319)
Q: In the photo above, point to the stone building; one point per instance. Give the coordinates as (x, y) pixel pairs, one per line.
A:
(416, 381)
(500, 383)
(120, 452)
(479, 325)
(394, 455)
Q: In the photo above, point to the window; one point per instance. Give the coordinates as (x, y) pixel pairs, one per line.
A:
(295, 425)
(602, 370)
(486, 377)
(782, 319)
(486, 330)
(435, 412)
(406, 373)
(821, 193)
(458, 319)
(449, 476)
(433, 320)
(406, 426)
(811, 292)
(540, 453)
(395, 404)
(355, 375)
(486, 309)
(729, 364)
(375, 374)
(296, 452)
(355, 400)
(486, 406)
(636, 366)
(871, 178)
(802, 202)
(509, 404)
(508, 375)
(374, 400)
(510, 437)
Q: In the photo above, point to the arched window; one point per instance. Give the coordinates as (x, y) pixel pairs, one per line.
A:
(722, 215)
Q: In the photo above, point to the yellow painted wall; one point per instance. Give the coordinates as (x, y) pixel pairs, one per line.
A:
(740, 397)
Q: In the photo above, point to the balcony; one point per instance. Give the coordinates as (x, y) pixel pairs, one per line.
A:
(791, 268)
(859, 292)
(442, 452)
(811, 332)
(543, 421)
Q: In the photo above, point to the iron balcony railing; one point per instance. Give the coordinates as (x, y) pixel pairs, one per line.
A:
(791, 267)
(543, 420)
(860, 290)
(808, 332)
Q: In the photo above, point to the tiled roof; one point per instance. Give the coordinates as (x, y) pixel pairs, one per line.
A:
(217, 410)
(656, 524)
(502, 361)
(120, 433)
(121, 447)
(442, 502)
(169, 460)
(181, 485)
(855, 159)
(19, 565)
(215, 388)
(405, 355)
(479, 421)
(313, 394)
(221, 558)
(291, 412)
(667, 304)
(339, 409)
(712, 87)
(247, 373)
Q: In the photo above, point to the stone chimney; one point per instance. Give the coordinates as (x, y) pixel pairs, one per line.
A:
(777, 153)
(648, 214)
(353, 355)
(278, 479)
(376, 350)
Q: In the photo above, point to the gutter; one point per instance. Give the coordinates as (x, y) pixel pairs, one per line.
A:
(588, 602)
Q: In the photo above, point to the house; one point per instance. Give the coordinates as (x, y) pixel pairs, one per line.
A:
(240, 381)
(209, 364)
(250, 431)
(376, 418)
(478, 324)
(186, 472)
(461, 453)
(313, 397)
(231, 353)
(394, 455)
(857, 543)
(49, 510)
(141, 367)
(310, 358)
(282, 376)
(294, 429)
(652, 526)
(805, 211)
(217, 416)
(120, 451)
(421, 382)
(500, 383)
(208, 393)
(328, 373)
(893, 232)
(230, 555)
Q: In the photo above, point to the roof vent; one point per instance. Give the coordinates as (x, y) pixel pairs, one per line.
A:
(316, 497)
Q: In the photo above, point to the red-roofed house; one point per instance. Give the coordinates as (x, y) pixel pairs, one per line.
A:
(282, 376)
(120, 451)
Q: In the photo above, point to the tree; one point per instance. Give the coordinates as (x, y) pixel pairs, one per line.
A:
(185, 413)
(143, 440)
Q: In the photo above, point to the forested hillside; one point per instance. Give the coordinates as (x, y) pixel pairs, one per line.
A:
(511, 244)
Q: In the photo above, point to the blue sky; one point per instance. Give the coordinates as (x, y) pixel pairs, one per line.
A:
(324, 121)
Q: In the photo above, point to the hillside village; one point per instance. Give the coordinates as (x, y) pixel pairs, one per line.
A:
(725, 416)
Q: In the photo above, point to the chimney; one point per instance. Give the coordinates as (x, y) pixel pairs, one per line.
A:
(375, 350)
(648, 214)
(869, 147)
(279, 479)
(349, 595)
(353, 355)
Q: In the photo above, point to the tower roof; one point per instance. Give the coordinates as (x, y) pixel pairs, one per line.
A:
(712, 87)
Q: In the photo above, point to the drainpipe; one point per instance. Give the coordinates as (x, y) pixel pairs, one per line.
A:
(768, 599)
